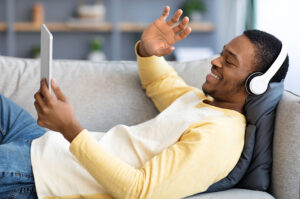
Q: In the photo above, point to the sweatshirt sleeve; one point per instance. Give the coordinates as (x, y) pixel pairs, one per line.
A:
(162, 83)
(203, 155)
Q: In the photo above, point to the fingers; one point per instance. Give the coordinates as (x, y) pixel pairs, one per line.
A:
(58, 93)
(39, 112)
(37, 107)
(39, 104)
(39, 99)
(180, 27)
(165, 13)
(175, 18)
(44, 91)
(183, 34)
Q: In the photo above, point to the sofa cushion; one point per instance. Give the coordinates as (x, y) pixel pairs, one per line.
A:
(234, 194)
(260, 111)
(103, 94)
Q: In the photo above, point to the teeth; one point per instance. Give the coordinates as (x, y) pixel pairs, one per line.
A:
(215, 76)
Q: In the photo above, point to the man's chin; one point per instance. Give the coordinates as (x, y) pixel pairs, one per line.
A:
(205, 91)
(208, 90)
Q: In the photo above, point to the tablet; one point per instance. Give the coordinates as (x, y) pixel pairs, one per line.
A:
(46, 55)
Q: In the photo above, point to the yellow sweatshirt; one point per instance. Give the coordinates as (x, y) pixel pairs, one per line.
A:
(180, 152)
(205, 153)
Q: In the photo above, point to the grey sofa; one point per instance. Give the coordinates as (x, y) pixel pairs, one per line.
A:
(108, 93)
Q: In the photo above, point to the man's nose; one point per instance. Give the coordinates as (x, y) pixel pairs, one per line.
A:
(217, 62)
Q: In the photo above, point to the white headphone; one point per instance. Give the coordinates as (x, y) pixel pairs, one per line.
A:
(257, 82)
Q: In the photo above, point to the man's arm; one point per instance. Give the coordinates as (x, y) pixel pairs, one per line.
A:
(160, 80)
(202, 156)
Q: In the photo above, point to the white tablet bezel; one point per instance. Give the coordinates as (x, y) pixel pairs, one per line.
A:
(46, 55)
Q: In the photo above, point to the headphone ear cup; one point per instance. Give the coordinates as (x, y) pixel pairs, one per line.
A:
(248, 81)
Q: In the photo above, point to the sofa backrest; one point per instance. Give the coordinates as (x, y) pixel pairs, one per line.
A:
(103, 93)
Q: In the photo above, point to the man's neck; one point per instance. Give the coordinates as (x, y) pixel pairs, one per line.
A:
(237, 106)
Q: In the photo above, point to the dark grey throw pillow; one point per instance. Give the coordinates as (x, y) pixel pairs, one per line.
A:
(253, 169)
(261, 111)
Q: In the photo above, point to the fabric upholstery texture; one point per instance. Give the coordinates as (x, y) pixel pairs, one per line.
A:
(108, 93)
(234, 194)
(286, 148)
(94, 88)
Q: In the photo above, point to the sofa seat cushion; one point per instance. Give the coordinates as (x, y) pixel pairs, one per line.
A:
(233, 194)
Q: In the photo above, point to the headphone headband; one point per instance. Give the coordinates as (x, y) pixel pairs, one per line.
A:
(257, 83)
(277, 63)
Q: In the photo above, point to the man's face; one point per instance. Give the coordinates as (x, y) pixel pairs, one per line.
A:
(229, 71)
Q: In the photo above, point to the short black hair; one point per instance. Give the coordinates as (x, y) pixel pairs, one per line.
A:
(268, 48)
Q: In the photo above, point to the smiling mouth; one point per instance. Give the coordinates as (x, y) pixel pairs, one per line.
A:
(215, 76)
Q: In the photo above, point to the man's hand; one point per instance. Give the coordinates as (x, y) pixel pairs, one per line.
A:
(57, 113)
(160, 35)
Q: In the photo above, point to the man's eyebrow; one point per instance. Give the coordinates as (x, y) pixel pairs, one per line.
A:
(231, 53)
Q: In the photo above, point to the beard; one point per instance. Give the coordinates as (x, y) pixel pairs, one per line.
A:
(221, 96)
(205, 91)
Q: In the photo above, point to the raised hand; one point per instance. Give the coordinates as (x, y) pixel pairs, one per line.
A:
(159, 37)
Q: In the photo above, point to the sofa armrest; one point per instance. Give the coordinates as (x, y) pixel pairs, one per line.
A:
(286, 148)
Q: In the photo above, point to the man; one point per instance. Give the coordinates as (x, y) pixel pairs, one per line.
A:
(209, 144)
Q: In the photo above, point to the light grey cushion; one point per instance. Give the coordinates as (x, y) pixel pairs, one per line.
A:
(234, 194)
(103, 94)
(286, 148)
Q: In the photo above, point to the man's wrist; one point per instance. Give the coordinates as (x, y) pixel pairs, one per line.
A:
(141, 50)
(72, 131)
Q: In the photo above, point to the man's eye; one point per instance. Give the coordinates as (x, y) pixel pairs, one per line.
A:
(227, 62)
(225, 58)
